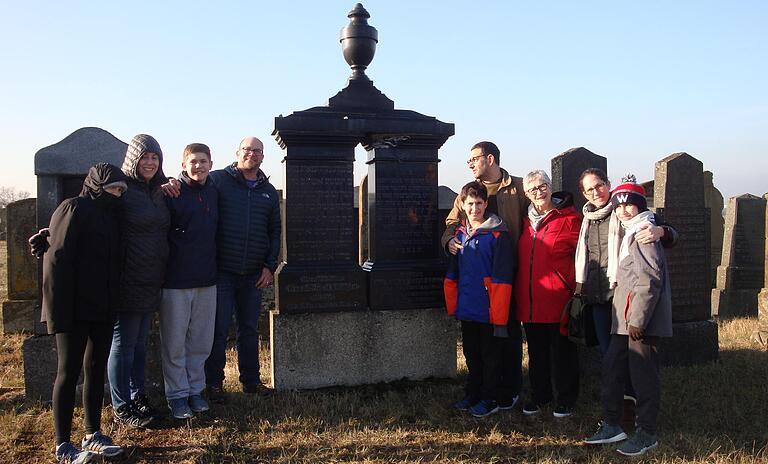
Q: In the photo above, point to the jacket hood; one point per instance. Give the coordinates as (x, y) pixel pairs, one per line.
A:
(235, 172)
(562, 200)
(191, 183)
(138, 146)
(493, 224)
(98, 176)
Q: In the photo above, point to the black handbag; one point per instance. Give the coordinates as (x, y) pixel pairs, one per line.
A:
(581, 326)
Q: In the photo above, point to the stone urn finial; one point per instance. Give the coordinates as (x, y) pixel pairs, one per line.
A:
(358, 42)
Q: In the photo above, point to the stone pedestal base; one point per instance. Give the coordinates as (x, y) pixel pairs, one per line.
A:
(692, 343)
(352, 348)
(39, 354)
(734, 303)
(18, 316)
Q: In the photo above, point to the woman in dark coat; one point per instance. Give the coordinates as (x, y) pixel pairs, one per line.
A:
(81, 277)
(145, 223)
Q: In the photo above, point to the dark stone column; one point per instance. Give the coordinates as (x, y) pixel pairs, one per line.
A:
(568, 166)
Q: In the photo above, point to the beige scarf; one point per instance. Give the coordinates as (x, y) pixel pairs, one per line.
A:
(582, 257)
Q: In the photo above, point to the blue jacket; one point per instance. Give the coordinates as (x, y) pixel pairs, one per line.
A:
(248, 237)
(192, 237)
(478, 284)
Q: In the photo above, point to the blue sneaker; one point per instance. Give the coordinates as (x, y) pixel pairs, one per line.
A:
(180, 409)
(197, 404)
(464, 404)
(66, 453)
(484, 408)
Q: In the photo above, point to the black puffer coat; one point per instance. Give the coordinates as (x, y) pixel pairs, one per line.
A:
(81, 269)
(145, 231)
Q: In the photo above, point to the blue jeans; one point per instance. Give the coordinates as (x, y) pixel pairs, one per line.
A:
(601, 315)
(128, 356)
(238, 295)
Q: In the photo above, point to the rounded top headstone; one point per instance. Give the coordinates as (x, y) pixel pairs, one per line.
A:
(358, 42)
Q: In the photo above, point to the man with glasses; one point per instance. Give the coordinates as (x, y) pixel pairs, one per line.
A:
(506, 199)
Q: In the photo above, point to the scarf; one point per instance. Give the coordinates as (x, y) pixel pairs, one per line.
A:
(630, 227)
(536, 218)
(582, 258)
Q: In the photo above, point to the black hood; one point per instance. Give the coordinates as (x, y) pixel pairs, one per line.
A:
(562, 200)
(138, 146)
(98, 176)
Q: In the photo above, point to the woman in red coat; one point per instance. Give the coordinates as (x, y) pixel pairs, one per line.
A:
(545, 281)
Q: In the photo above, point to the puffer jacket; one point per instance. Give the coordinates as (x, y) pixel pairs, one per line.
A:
(145, 226)
(546, 275)
(248, 237)
(511, 203)
(81, 269)
(478, 284)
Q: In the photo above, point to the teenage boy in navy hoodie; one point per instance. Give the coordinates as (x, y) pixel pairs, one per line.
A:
(478, 289)
(188, 307)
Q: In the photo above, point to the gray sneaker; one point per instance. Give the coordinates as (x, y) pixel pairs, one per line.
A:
(101, 444)
(66, 453)
(180, 409)
(606, 434)
(639, 444)
(197, 403)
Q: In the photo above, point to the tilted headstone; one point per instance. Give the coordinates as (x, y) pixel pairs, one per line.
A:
(567, 168)
(19, 310)
(741, 271)
(713, 201)
(679, 199)
(385, 322)
(760, 335)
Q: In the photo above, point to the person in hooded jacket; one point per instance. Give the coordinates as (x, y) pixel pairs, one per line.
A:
(478, 290)
(81, 278)
(545, 281)
(145, 223)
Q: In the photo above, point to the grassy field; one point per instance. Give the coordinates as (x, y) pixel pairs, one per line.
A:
(714, 413)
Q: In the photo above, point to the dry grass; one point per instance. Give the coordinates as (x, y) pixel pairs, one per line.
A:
(710, 414)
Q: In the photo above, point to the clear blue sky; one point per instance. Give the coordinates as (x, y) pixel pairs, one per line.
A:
(633, 81)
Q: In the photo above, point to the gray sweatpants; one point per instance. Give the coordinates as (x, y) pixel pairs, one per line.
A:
(187, 319)
(641, 360)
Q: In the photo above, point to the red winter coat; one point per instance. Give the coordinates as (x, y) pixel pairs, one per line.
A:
(546, 272)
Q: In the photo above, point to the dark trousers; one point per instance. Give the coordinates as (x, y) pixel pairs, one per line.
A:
(86, 347)
(482, 353)
(548, 351)
(640, 360)
(601, 315)
(510, 364)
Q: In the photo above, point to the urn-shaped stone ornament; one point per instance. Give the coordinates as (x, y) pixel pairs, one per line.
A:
(358, 42)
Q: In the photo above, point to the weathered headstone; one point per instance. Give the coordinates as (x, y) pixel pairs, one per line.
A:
(18, 311)
(713, 201)
(760, 335)
(335, 323)
(679, 198)
(567, 168)
(741, 271)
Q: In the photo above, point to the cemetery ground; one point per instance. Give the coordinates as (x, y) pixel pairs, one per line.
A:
(714, 413)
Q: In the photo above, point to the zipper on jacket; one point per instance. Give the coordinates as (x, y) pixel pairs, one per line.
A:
(530, 279)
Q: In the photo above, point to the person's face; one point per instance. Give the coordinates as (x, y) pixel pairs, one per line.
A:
(250, 154)
(197, 166)
(149, 163)
(114, 190)
(626, 211)
(474, 208)
(478, 164)
(595, 190)
(539, 193)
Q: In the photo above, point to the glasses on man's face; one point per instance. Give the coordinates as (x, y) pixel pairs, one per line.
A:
(256, 151)
(597, 188)
(542, 188)
(474, 159)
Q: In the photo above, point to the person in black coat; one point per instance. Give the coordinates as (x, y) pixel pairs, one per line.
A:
(81, 277)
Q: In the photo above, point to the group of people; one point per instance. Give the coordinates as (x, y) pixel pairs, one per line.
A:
(518, 252)
(198, 249)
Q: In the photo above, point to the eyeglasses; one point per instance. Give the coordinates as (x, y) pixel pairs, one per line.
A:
(474, 159)
(597, 188)
(257, 151)
(540, 188)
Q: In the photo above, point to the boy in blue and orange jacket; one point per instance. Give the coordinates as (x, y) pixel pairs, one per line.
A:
(478, 290)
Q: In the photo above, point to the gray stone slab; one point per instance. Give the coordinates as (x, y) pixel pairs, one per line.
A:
(692, 343)
(353, 348)
(18, 316)
(713, 201)
(567, 168)
(760, 335)
(39, 356)
(22, 266)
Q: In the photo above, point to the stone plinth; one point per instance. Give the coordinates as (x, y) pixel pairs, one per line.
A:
(567, 168)
(353, 348)
(741, 271)
(19, 316)
(692, 343)
(39, 356)
(18, 311)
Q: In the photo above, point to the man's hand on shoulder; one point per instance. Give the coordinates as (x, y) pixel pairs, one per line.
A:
(265, 278)
(454, 246)
(172, 188)
(649, 234)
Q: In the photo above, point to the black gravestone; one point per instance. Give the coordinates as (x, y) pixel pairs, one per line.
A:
(568, 166)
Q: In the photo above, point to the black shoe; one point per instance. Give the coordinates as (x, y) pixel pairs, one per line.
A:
(215, 394)
(258, 389)
(143, 406)
(128, 415)
(562, 411)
